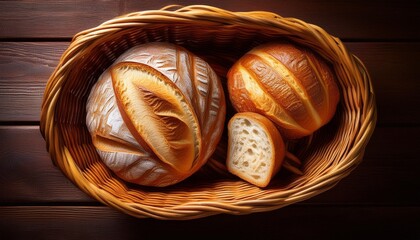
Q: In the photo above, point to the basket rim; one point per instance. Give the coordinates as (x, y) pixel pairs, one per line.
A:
(211, 16)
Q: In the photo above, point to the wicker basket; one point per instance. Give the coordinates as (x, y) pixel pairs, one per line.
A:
(220, 37)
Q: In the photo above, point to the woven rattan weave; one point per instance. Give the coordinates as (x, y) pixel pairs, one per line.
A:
(220, 37)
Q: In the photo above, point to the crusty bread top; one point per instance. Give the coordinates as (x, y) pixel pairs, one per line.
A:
(159, 131)
(157, 112)
(291, 85)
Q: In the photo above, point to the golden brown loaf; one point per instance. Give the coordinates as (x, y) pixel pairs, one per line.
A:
(255, 148)
(156, 115)
(292, 86)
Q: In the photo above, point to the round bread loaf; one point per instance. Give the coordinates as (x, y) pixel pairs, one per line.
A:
(156, 115)
(291, 85)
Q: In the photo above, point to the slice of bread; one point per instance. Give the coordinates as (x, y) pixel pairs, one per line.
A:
(255, 148)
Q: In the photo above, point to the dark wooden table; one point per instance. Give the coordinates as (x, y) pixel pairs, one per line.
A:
(381, 198)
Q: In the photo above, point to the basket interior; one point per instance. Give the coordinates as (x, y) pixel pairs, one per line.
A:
(220, 46)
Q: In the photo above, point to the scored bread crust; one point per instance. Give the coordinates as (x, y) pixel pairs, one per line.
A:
(255, 148)
(134, 158)
(289, 84)
(157, 113)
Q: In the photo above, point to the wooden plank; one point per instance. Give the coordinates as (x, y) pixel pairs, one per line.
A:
(25, 69)
(395, 79)
(27, 173)
(26, 66)
(53, 19)
(292, 222)
(385, 176)
(345, 19)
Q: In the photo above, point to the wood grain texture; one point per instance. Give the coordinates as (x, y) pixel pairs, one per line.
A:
(26, 170)
(378, 200)
(395, 79)
(26, 66)
(292, 222)
(345, 19)
(384, 177)
(24, 71)
(53, 19)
